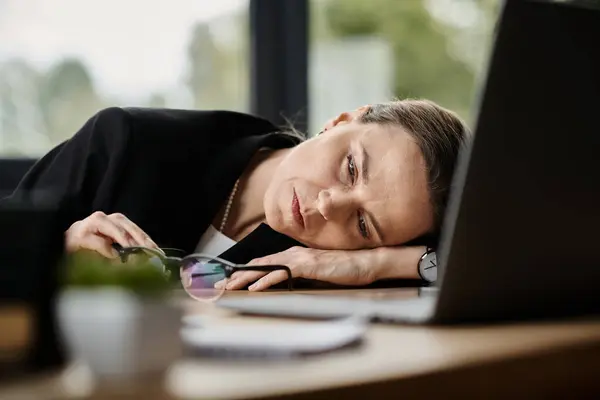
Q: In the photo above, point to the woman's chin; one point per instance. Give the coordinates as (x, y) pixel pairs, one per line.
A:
(294, 234)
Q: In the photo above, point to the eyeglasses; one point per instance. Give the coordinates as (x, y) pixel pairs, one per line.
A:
(199, 272)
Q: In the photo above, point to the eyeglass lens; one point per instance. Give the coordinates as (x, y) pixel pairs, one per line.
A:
(199, 275)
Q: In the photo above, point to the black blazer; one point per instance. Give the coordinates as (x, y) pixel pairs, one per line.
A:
(169, 171)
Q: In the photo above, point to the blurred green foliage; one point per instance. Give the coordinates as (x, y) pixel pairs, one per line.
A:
(436, 55)
(87, 269)
(438, 46)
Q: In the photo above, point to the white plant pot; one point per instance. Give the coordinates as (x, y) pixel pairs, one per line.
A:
(119, 335)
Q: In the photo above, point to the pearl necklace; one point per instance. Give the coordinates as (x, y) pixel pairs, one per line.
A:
(228, 206)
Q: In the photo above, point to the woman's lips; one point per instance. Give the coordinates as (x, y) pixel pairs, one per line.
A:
(296, 210)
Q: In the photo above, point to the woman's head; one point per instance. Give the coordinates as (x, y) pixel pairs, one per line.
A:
(379, 175)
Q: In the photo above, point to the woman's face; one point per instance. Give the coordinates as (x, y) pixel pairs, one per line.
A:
(354, 186)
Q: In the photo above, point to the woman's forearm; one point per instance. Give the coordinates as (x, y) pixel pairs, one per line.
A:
(341, 267)
(395, 262)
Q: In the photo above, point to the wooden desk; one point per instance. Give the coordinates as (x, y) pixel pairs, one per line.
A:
(549, 360)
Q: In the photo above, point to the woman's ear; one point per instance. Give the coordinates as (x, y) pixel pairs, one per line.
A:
(345, 117)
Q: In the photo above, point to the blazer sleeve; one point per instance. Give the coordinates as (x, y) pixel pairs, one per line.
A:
(111, 162)
(81, 169)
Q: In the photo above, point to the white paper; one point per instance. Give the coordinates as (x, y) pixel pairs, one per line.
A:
(287, 338)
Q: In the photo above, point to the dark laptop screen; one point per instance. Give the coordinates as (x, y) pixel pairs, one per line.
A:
(524, 216)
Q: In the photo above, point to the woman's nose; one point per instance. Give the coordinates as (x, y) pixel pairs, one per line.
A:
(334, 204)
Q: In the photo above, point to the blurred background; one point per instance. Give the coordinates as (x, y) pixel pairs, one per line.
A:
(63, 60)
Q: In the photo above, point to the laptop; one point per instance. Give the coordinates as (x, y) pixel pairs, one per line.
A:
(522, 229)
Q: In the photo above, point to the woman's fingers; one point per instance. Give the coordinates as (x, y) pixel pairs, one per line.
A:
(262, 280)
(271, 279)
(100, 223)
(240, 280)
(98, 243)
(99, 231)
(137, 234)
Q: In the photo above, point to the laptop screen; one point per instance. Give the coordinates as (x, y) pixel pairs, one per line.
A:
(524, 214)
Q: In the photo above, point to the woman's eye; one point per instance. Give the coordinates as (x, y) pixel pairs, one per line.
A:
(351, 167)
(362, 226)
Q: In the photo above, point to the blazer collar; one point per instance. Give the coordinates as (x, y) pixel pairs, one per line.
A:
(259, 243)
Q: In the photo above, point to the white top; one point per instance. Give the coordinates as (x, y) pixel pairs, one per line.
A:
(214, 242)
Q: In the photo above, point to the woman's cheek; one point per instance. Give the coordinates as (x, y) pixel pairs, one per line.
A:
(333, 237)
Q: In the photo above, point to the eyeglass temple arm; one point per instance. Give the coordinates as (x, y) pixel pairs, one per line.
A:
(270, 268)
(124, 252)
(158, 253)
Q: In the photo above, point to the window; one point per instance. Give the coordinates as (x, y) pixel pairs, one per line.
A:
(371, 51)
(63, 60)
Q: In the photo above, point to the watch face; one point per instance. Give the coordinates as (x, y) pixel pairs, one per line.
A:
(428, 267)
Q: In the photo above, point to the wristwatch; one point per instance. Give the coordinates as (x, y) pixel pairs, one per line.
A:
(427, 267)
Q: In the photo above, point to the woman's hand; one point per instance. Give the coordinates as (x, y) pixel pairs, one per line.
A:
(342, 267)
(99, 231)
(335, 266)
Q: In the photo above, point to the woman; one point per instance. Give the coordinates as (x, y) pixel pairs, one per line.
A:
(234, 185)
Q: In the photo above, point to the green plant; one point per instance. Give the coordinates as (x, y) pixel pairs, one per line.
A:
(90, 270)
